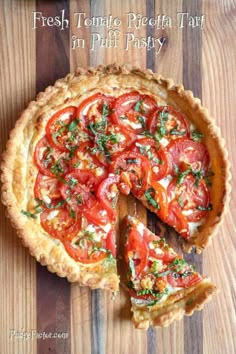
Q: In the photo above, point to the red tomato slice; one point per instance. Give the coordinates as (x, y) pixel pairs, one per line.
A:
(78, 190)
(84, 159)
(133, 169)
(50, 161)
(93, 110)
(57, 128)
(166, 255)
(86, 250)
(107, 194)
(48, 187)
(97, 215)
(157, 156)
(132, 109)
(176, 280)
(165, 121)
(117, 138)
(155, 198)
(136, 251)
(186, 153)
(177, 220)
(59, 223)
(190, 196)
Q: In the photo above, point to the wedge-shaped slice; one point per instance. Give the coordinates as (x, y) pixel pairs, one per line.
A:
(162, 285)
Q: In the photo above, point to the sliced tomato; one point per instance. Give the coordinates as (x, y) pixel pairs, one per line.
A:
(47, 188)
(58, 128)
(98, 215)
(84, 159)
(157, 156)
(190, 197)
(177, 220)
(155, 198)
(116, 140)
(154, 242)
(78, 190)
(136, 251)
(59, 223)
(133, 169)
(188, 154)
(86, 250)
(132, 109)
(107, 194)
(166, 122)
(93, 112)
(176, 280)
(50, 161)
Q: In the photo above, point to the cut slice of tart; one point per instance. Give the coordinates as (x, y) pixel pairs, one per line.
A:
(162, 285)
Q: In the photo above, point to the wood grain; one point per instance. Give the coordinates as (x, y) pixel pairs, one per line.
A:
(204, 60)
(218, 94)
(17, 88)
(192, 60)
(53, 293)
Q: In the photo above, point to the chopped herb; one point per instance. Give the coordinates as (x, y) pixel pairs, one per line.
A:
(161, 130)
(209, 207)
(180, 201)
(72, 213)
(123, 117)
(176, 169)
(73, 125)
(73, 136)
(147, 134)
(142, 121)
(130, 161)
(38, 209)
(138, 106)
(79, 199)
(163, 274)
(106, 110)
(174, 131)
(181, 175)
(77, 164)
(150, 199)
(150, 292)
(72, 150)
(73, 182)
(113, 202)
(50, 206)
(154, 267)
(102, 141)
(28, 214)
(56, 168)
(197, 136)
(58, 133)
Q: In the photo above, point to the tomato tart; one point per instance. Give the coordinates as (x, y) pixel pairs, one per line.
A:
(100, 132)
(163, 287)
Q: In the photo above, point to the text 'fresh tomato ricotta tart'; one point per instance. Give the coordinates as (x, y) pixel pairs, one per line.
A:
(101, 132)
(162, 285)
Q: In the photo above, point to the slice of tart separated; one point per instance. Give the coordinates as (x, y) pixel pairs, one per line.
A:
(162, 285)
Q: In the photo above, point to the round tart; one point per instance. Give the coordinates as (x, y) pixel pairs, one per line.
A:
(101, 132)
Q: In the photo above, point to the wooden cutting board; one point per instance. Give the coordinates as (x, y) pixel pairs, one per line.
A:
(36, 304)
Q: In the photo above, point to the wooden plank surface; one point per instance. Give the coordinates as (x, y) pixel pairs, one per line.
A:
(32, 299)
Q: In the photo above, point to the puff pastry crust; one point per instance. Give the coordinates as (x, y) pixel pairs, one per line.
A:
(19, 171)
(184, 302)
